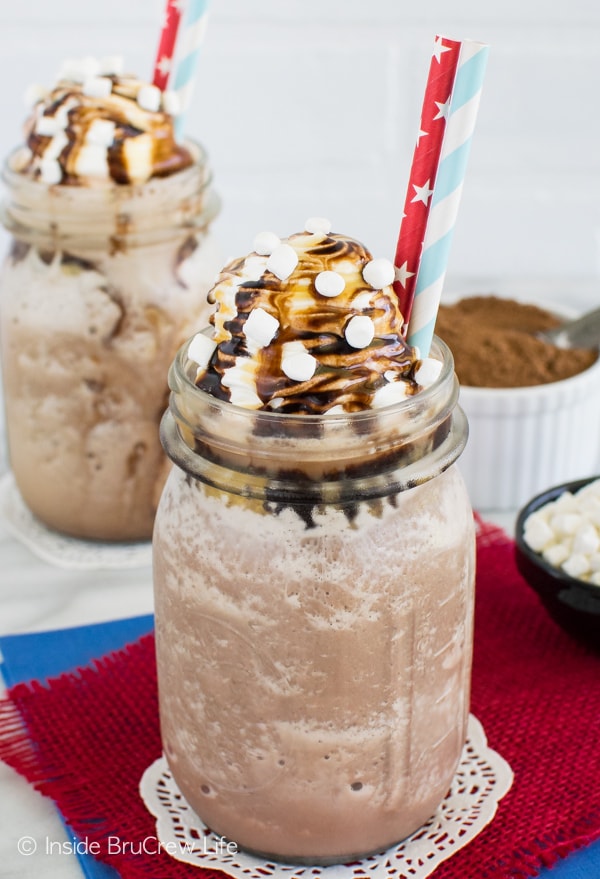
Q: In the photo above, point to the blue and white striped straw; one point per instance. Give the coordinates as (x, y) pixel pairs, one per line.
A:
(188, 54)
(445, 200)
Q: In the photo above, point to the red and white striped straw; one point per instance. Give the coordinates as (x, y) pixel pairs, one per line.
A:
(434, 114)
(163, 66)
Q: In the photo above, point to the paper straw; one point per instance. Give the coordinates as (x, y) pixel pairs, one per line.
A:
(454, 155)
(423, 172)
(163, 66)
(188, 55)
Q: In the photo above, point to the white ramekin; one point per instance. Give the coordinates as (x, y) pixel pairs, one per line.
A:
(523, 440)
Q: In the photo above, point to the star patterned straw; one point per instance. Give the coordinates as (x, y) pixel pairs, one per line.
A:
(424, 167)
(188, 55)
(456, 146)
(163, 66)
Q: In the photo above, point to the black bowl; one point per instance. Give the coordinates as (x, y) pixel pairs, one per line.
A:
(573, 604)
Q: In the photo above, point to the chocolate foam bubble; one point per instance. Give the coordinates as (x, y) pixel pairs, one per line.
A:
(283, 345)
(108, 128)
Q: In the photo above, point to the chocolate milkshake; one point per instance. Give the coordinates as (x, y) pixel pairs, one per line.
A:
(107, 274)
(313, 560)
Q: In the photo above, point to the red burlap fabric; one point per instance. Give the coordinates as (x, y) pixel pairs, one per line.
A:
(85, 738)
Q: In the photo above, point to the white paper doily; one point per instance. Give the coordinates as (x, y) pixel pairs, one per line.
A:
(60, 550)
(483, 777)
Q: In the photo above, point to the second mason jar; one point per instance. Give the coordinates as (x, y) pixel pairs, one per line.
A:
(100, 287)
(314, 606)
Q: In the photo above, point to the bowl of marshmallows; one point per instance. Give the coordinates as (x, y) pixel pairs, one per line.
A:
(558, 553)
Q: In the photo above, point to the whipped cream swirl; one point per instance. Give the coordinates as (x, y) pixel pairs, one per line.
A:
(309, 324)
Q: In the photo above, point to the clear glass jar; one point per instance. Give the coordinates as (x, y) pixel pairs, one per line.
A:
(100, 287)
(314, 606)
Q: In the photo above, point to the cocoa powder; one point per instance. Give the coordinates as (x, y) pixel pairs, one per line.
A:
(494, 344)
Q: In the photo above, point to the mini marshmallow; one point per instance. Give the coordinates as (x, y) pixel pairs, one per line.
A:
(48, 126)
(359, 331)
(565, 523)
(50, 171)
(282, 261)
(91, 161)
(329, 283)
(379, 273)
(101, 132)
(260, 327)
(148, 98)
(428, 372)
(171, 103)
(201, 349)
(318, 226)
(538, 534)
(97, 87)
(79, 69)
(576, 565)
(266, 242)
(299, 367)
(387, 395)
(556, 554)
(34, 93)
(586, 540)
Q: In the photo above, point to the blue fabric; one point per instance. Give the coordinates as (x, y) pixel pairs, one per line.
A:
(42, 655)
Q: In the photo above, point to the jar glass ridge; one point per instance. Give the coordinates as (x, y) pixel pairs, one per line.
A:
(314, 606)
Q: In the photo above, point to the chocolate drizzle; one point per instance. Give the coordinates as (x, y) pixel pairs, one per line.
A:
(345, 376)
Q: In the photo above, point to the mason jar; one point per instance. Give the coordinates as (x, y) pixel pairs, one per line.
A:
(314, 611)
(100, 287)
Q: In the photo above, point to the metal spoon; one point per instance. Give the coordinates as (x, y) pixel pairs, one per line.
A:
(583, 332)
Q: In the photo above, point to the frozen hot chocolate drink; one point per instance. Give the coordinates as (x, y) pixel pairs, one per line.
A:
(107, 274)
(313, 558)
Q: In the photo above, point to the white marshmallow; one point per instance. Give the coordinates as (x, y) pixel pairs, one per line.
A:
(171, 103)
(48, 126)
(576, 565)
(97, 87)
(428, 372)
(260, 327)
(595, 578)
(538, 534)
(149, 97)
(266, 242)
(101, 132)
(387, 395)
(318, 226)
(92, 161)
(79, 69)
(565, 523)
(556, 554)
(360, 331)
(50, 171)
(282, 261)
(201, 349)
(329, 283)
(299, 367)
(586, 540)
(379, 273)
